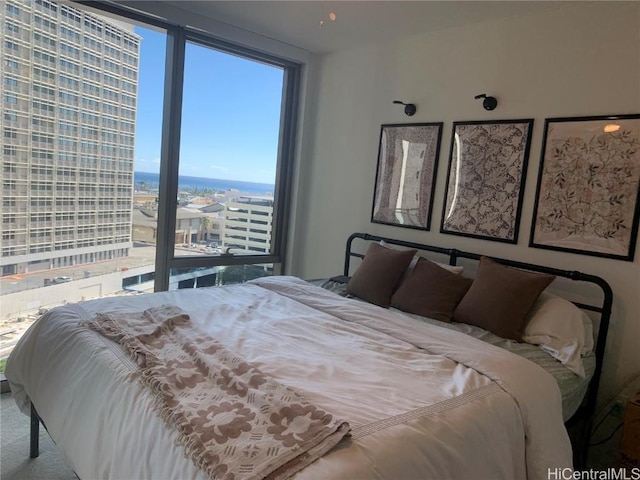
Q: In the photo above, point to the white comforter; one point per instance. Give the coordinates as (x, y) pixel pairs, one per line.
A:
(423, 402)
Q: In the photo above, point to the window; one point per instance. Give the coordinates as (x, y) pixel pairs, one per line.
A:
(43, 23)
(44, 74)
(38, 138)
(43, 107)
(44, 40)
(113, 52)
(111, 66)
(91, 58)
(87, 81)
(70, 34)
(70, 66)
(44, 57)
(42, 90)
(92, 43)
(13, 10)
(111, 34)
(10, 133)
(11, 64)
(70, 13)
(69, 50)
(10, 99)
(68, 128)
(37, 153)
(48, 5)
(68, 97)
(11, 27)
(129, 59)
(68, 113)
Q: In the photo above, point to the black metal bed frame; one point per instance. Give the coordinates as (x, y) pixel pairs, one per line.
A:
(580, 424)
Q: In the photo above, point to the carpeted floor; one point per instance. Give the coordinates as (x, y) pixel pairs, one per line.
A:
(15, 463)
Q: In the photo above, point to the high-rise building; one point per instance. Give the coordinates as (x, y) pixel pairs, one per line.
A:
(247, 223)
(69, 92)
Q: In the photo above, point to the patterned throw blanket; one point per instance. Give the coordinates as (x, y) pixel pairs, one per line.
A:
(233, 420)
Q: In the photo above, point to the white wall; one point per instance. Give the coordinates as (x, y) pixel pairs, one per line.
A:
(579, 60)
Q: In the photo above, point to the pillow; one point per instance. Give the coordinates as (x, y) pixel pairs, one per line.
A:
(379, 274)
(430, 291)
(500, 298)
(558, 327)
(452, 268)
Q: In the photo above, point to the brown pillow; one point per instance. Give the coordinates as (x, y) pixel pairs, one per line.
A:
(500, 298)
(431, 291)
(379, 274)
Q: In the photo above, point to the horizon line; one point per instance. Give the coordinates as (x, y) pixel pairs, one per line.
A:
(210, 178)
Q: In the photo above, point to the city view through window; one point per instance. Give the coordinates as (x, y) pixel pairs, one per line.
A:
(82, 105)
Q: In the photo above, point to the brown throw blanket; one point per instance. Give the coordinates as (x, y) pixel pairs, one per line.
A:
(234, 421)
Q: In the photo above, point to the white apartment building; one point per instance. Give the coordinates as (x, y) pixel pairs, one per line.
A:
(247, 223)
(69, 93)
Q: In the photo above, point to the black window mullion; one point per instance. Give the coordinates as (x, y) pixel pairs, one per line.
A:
(284, 171)
(169, 156)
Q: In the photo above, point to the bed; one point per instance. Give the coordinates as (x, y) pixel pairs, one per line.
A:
(400, 395)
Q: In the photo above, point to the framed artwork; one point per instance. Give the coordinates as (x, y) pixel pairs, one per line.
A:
(588, 184)
(485, 179)
(405, 175)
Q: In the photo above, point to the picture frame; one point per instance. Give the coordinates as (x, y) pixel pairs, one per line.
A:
(485, 179)
(406, 174)
(587, 194)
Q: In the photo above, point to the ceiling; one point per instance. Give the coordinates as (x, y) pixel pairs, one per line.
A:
(357, 22)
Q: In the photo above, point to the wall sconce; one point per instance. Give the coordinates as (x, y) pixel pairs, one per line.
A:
(489, 103)
(409, 108)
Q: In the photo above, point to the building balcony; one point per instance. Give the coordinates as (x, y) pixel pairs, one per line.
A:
(16, 142)
(16, 176)
(33, 225)
(21, 89)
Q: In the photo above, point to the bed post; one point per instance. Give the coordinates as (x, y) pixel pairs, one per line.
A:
(34, 451)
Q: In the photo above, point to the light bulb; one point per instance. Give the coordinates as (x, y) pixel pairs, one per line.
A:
(332, 16)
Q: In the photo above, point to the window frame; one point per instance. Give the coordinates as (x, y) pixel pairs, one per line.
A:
(177, 38)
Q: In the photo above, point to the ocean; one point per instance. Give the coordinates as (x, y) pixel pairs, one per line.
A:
(191, 183)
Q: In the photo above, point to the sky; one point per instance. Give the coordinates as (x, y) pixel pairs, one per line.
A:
(230, 113)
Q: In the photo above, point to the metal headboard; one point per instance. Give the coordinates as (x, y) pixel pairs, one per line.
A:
(584, 415)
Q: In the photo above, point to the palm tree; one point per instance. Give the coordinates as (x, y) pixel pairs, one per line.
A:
(205, 225)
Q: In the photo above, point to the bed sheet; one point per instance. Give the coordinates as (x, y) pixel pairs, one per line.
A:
(420, 410)
(572, 387)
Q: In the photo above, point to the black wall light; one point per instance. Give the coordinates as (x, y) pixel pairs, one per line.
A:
(489, 103)
(409, 108)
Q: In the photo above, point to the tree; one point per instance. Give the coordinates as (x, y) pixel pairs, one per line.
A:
(205, 226)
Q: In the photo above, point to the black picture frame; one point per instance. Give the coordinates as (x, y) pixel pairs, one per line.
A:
(406, 173)
(588, 188)
(486, 176)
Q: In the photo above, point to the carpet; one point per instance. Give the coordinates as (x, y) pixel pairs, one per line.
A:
(15, 463)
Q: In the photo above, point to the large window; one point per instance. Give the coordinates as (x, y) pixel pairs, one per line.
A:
(226, 160)
(137, 155)
(228, 153)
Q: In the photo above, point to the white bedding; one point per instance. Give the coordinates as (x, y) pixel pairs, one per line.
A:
(423, 401)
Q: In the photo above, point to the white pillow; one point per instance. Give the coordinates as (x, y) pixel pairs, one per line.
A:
(561, 329)
(452, 268)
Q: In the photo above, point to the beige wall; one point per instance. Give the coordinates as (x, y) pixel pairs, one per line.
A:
(581, 59)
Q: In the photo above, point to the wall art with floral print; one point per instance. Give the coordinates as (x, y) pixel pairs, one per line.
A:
(588, 184)
(485, 179)
(405, 177)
